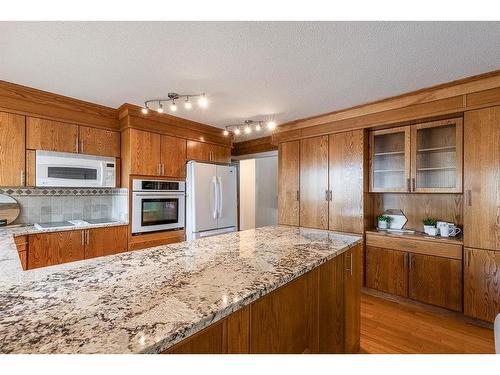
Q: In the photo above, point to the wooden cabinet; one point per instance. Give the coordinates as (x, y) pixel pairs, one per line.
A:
(421, 158)
(221, 154)
(12, 149)
(288, 183)
(51, 135)
(144, 152)
(387, 270)
(99, 142)
(481, 284)
(173, 157)
(105, 241)
(346, 171)
(352, 299)
(202, 151)
(314, 191)
(436, 280)
(482, 178)
(47, 249)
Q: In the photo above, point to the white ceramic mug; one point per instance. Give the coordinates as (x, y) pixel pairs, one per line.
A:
(442, 227)
(453, 230)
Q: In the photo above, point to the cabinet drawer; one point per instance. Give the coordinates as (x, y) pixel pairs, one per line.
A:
(425, 247)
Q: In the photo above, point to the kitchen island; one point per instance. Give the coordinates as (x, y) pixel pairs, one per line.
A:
(272, 289)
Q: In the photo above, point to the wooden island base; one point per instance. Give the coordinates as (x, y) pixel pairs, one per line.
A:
(318, 312)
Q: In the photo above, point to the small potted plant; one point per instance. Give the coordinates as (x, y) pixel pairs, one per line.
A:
(383, 221)
(429, 225)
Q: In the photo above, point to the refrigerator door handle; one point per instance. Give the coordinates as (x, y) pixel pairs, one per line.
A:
(216, 200)
(220, 196)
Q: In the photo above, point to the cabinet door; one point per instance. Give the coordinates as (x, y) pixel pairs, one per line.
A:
(50, 135)
(314, 192)
(352, 299)
(481, 284)
(390, 160)
(47, 249)
(288, 183)
(173, 156)
(387, 270)
(436, 280)
(346, 160)
(105, 241)
(482, 178)
(221, 154)
(12, 149)
(436, 157)
(199, 151)
(144, 153)
(99, 142)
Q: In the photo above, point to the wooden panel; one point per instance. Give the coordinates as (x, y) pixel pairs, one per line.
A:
(105, 241)
(314, 182)
(483, 98)
(12, 149)
(253, 146)
(221, 154)
(352, 299)
(173, 156)
(331, 306)
(482, 284)
(23, 258)
(346, 162)
(238, 331)
(30, 167)
(21, 243)
(207, 341)
(51, 135)
(54, 248)
(435, 280)
(28, 101)
(288, 183)
(386, 270)
(285, 321)
(95, 141)
(436, 247)
(416, 207)
(144, 153)
(144, 241)
(482, 178)
(198, 151)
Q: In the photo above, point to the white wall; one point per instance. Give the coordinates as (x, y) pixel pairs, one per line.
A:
(247, 194)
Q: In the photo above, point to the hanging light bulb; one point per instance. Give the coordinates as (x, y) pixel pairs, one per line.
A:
(188, 104)
(226, 133)
(145, 111)
(248, 129)
(257, 127)
(271, 125)
(237, 131)
(173, 107)
(203, 102)
(160, 108)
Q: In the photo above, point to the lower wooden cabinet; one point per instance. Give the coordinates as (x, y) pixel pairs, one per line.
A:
(105, 241)
(386, 270)
(315, 313)
(481, 283)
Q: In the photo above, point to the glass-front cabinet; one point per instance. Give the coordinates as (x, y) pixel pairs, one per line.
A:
(421, 158)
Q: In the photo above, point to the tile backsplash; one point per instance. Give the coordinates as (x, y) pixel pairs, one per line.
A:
(48, 205)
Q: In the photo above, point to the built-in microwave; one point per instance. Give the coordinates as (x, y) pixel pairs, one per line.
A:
(61, 169)
(157, 205)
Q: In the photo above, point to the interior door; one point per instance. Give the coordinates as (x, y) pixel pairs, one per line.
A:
(203, 192)
(227, 199)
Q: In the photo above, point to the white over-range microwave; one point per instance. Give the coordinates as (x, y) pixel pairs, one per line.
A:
(61, 169)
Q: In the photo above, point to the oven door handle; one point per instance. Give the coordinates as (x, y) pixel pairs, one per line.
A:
(216, 198)
(159, 195)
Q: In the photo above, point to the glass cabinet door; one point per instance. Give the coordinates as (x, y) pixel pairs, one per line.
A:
(437, 157)
(390, 160)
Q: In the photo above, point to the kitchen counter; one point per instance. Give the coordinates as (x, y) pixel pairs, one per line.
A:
(146, 301)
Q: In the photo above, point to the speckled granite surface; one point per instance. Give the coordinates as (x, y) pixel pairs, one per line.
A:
(146, 301)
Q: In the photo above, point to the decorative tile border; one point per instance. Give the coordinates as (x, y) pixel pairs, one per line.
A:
(41, 192)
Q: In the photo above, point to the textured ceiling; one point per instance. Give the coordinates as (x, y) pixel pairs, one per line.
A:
(249, 70)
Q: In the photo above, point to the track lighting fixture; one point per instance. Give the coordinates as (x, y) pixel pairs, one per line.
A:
(160, 108)
(173, 107)
(249, 126)
(172, 97)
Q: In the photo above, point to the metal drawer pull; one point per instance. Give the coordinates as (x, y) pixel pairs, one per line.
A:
(413, 184)
(469, 198)
(83, 237)
(350, 261)
(327, 195)
(22, 178)
(408, 186)
(298, 195)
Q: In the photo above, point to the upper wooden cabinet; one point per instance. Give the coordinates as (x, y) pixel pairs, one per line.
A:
(208, 152)
(173, 156)
(314, 191)
(422, 158)
(288, 183)
(12, 149)
(51, 135)
(99, 142)
(482, 178)
(144, 152)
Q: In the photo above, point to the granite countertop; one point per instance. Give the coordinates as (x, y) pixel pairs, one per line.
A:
(146, 301)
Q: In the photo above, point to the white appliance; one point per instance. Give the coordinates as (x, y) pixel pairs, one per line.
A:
(74, 170)
(211, 197)
(157, 205)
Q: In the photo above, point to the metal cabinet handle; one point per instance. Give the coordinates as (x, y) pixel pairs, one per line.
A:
(331, 196)
(408, 186)
(298, 195)
(469, 198)
(350, 266)
(83, 237)
(77, 145)
(22, 178)
(405, 261)
(87, 241)
(82, 146)
(327, 195)
(410, 262)
(413, 184)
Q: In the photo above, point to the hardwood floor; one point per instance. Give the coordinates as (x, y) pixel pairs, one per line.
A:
(400, 327)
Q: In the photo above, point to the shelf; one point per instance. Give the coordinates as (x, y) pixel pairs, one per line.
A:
(445, 148)
(388, 170)
(436, 169)
(417, 236)
(389, 153)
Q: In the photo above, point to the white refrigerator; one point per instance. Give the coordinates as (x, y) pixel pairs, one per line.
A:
(211, 199)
